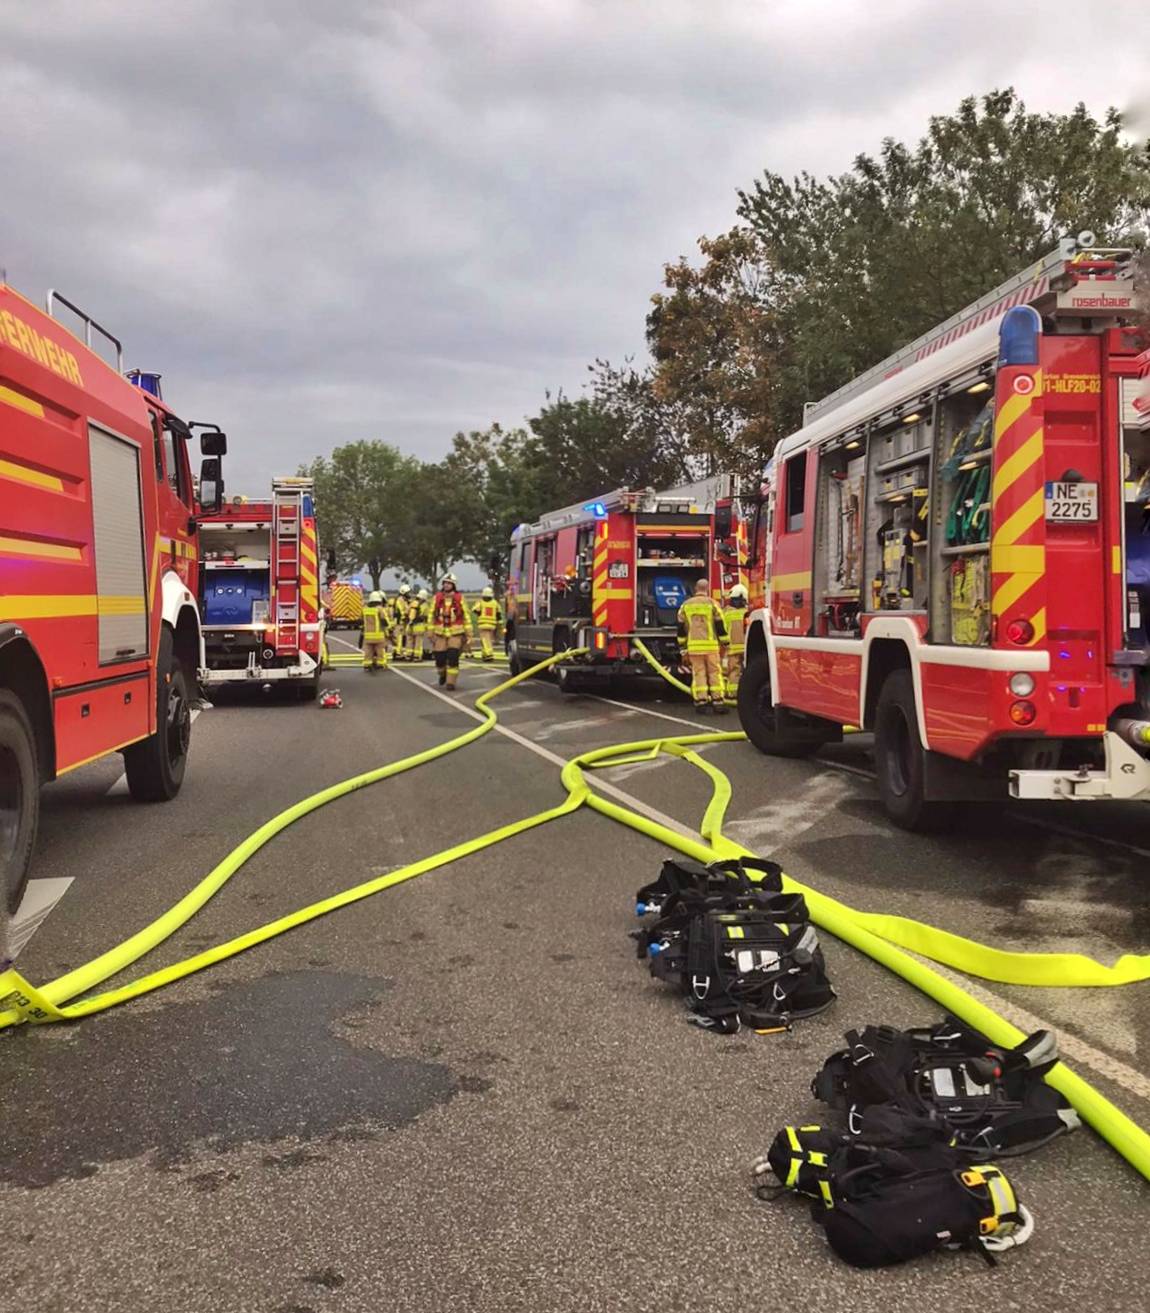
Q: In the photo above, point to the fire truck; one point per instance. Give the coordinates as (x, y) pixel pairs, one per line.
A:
(99, 627)
(263, 621)
(346, 611)
(955, 554)
(599, 574)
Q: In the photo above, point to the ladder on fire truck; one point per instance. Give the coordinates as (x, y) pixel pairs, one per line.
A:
(287, 525)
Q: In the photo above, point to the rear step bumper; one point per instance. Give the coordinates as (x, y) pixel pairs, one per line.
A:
(304, 669)
(1126, 775)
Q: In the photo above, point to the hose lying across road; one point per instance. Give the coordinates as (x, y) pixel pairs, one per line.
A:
(881, 937)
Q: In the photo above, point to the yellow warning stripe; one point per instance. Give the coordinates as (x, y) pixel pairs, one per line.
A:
(9, 469)
(613, 594)
(1005, 559)
(21, 402)
(1012, 590)
(66, 606)
(33, 547)
(782, 583)
(1017, 524)
(1018, 462)
(87, 761)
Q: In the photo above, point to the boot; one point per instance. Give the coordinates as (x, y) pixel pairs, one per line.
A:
(720, 708)
(442, 678)
(702, 708)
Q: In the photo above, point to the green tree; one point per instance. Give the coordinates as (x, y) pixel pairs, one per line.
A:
(824, 277)
(364, 506)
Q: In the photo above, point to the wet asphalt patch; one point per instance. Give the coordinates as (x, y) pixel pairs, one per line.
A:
(260, 1061)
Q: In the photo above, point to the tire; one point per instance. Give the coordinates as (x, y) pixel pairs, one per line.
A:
(19, 802)
(568, 680)
(757, 715)
(155, 767)
(900, 759)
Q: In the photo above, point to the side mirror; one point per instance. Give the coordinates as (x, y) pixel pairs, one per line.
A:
(723, 521)
(214, 444)
(211, 486)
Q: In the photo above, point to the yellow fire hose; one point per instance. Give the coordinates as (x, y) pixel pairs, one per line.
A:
(881, 937)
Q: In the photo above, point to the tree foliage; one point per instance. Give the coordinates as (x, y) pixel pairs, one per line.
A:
(824, 277)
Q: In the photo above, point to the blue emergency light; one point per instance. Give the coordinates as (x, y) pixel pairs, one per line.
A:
(146, 382)
(597, 509)
(1018, 336)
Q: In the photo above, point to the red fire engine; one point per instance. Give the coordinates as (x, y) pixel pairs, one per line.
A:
(602, 573)
(262, 616)
(99, 628)
(957, 555)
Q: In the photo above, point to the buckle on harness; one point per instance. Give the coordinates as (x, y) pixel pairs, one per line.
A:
(700, 986)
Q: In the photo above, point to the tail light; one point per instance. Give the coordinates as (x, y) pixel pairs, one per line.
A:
(1023, 712)
(1020, 632)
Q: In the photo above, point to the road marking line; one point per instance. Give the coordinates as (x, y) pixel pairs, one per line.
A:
(1134, 1082)
(636, 804)
(39, 899)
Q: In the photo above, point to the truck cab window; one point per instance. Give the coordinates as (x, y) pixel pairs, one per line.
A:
(795, 491)
(171, 443)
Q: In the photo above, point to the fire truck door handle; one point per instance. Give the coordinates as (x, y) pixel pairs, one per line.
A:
(797, 599)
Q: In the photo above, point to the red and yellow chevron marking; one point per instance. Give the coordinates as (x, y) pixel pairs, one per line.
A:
(309, 565)
(743, 553)
(599, 576)
(1017, 545)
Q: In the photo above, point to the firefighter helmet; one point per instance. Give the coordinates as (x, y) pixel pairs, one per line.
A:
(489, 591)
(404, 589)
(422, 594)
(740, 592)
(375, 598)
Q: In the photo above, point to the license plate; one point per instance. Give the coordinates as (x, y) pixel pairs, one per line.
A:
(1072, 501)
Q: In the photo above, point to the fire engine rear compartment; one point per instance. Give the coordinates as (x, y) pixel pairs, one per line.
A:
(237, 586)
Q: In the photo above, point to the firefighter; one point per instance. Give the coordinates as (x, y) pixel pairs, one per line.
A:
(373, 635)
(448, 624)
(702, 632)
(418, 618)
(402, 611)
(735, 618)
(488, 617)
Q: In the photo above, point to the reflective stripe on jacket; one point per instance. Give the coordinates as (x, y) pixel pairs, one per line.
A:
(373, 624)
(735, 618)
(487, 613)
(448, 618)
(701, 623)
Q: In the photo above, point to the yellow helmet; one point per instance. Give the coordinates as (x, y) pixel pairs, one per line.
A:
(422, 594)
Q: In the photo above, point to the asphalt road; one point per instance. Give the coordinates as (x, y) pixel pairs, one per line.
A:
(466, 1093)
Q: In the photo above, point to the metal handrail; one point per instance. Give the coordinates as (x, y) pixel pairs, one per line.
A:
(89, 323)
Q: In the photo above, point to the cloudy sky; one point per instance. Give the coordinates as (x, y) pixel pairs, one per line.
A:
(347, 219)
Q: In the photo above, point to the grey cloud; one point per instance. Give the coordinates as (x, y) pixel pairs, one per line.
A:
(357, 219)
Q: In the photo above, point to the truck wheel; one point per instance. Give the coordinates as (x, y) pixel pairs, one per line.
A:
(155, 767)
(308, 689)
(19, 800)
(568, 680)
(757, 714)
(900, 759)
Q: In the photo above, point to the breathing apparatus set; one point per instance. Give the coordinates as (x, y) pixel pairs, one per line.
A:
(911, 1166)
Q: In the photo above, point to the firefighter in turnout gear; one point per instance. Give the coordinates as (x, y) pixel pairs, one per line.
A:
(448, 624)
(402, 610)
(702, 632)
(735, 618)
(418, 618)
(373, 635)
(488, 618)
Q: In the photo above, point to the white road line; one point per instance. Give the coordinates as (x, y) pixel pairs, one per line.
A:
(635, 803)
(120, 787)
(39, 899)
(1077, 1050)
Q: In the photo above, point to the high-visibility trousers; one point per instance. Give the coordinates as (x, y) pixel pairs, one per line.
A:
(706, 677)
(732, 669)
(374, 654)
(447, 648)
(419, 641)
(487, 641)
